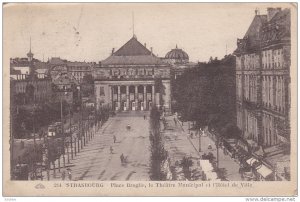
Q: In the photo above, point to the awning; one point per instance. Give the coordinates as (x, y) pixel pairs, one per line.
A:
(206, 165)
(264, 171)
(251, 161)
(211, 175)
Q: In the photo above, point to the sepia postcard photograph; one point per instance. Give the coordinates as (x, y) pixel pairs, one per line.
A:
(149, 99)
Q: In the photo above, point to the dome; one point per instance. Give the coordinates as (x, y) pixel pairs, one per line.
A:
(177, 54)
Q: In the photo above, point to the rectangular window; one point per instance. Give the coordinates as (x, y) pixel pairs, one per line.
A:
(102, 91)
(141, 71)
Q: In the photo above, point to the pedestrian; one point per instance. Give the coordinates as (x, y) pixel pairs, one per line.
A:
(122, 158)
(111, 150)
(69, 174)
(145, 117)
(63, 175)
(115, 139)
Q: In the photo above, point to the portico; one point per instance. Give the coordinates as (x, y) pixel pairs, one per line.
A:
(132, 97)
(127, 95)
(132, 78)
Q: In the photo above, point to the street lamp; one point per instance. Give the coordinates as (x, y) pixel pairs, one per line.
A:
(200, 130)
(62, 125)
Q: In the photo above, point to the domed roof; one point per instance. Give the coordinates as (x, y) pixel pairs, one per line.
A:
(177, 54)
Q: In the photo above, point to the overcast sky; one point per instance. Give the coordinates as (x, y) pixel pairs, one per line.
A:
(79, 32)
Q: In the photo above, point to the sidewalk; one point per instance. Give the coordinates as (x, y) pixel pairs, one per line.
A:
(73, 162)
(178, 145)
(225, 161)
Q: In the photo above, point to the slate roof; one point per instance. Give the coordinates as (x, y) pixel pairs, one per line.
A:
(57, 61)
(15, 72)
(132, 48)
(132, 53)
(19, 62)
(78, 64)
(251, 40)
(41, 71)
(40, 65)
(278, 28)
(262, 32)
(132, 60)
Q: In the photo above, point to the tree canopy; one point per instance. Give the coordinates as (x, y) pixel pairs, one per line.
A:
(206, 93)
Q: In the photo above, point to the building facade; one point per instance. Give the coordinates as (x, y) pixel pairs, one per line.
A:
(263, 85)
(133, 78)
(64, 87)
(77, 69)
(28, 81)
(32, 90)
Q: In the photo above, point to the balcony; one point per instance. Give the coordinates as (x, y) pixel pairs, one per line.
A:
(251, 105)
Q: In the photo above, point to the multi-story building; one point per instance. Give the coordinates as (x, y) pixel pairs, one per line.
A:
(77, 69)
(29, 83)
(64, 87)
(263, 87)
(133, 78)
(32, 90)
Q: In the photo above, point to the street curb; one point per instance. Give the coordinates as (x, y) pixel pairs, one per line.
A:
(194, 146)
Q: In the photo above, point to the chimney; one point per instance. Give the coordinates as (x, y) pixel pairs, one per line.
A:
(113, 51)
(272, 12)
(151, 51)
(145, 45)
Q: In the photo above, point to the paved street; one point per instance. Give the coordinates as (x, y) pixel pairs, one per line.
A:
(180, 144)
(177, 143)
(96, 162)
(225, 161)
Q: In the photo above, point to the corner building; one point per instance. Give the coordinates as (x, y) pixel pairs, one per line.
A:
(263, 87)
(133, 78)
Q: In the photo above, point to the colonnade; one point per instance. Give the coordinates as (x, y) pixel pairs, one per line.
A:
(134, 97)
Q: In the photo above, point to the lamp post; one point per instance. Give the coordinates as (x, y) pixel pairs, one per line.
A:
(34, 142)
(200, 131)
(217, 152)
(80, 133)
(62, 125)
(71, 135)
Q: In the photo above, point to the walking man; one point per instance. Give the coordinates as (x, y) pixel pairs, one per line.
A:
(115, 139)
(111, 150)
(69, 174)
(63, 175)
(122, 158)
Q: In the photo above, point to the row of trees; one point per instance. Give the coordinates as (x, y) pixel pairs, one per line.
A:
(158, 152)
(28, 119)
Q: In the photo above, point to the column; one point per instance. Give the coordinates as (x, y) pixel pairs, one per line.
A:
(119, 97)
(153, 96)
(145, 98)
(109, 96)
(127, 97)
(136, 96)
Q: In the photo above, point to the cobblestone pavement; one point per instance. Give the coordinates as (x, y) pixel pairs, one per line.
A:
(96, 161)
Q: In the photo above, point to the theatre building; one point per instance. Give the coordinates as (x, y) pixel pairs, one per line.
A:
(133, 78)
